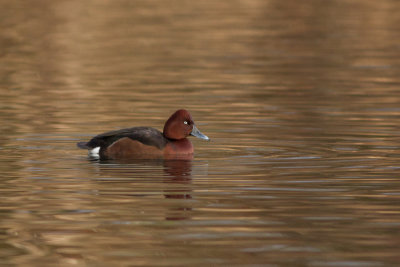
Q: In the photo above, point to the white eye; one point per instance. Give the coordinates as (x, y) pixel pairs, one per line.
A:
(185, 122)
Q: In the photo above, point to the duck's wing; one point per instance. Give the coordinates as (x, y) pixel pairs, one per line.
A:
(146, 135)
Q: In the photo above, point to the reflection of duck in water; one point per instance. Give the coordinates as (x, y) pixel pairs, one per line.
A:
(176, 174)
(146, 142)
(179, 187)
(180, 172)
(174, 186)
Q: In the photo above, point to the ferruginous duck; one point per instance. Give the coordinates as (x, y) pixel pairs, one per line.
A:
(147, 142)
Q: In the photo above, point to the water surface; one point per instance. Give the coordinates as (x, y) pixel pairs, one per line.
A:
(301, 101)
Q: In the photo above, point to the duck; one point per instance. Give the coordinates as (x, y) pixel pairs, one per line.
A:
(147, 142)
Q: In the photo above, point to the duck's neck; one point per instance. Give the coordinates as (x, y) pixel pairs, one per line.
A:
(181, 146)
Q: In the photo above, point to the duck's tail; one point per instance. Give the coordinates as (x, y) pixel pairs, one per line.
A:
(83, 145)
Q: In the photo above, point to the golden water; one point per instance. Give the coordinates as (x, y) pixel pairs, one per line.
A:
(300, 98)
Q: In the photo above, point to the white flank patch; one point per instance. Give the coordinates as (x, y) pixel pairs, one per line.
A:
(94, 152)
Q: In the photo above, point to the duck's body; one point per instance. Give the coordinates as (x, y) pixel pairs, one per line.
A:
(147, 142)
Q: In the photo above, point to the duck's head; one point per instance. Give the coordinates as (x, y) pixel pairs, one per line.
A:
(180, 125)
